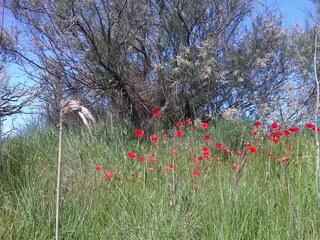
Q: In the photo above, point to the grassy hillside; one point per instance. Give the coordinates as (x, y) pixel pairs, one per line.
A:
(184, 188)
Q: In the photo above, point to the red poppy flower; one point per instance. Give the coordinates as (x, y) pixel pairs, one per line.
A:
(283, 159)
(180, 124)
(228, 151)
(172, 165)
(252, 149)
(173, 151)
(286, 132)
(138, 132)
(195, 186)
(257, 124)
(204, 125)
(150, 151)
(155, 112)
(196, 172)
(234, 166)
(239, 152)
(164, 135)
(200, 158)
(194, 163)
(218, 145)
(179, 133)
(274, 126)
(294, 129)
(166, 168)
(192, 155)
(97, 167)
(141, 159)
(132, 154)
(207, 137)
(109, 174)
(153, 138)
(288, 147)
(309, 125)
(275, 139)
(254, 132)
(271, 154)
(188, 121)
(205, 149)
(150, 168)
(152, 159)
(247, 144)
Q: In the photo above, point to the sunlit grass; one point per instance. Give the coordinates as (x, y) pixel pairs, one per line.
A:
(272, 200)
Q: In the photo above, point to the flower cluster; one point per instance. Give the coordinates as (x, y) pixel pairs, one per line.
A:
(210, 150)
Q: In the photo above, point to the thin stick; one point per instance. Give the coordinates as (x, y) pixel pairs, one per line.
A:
(316, 116)
(243, 160)
(87, 119)
(58, 177)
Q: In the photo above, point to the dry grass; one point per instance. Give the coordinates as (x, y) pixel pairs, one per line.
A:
(68, 107)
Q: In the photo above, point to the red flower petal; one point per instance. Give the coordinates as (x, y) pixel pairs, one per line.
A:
(257, 124)
(109, 174)
(188, 121)
(309, 125)
(207, 137)
(173, 151)
(97, 167)
(234, 166)
(132, 154)
(155, 112)
(179, 133)
(204, 125)
(274, 126)
(153, 138)
(239, 152)
(252, 149)
(138, 132)
(196, 172)
(205, 149)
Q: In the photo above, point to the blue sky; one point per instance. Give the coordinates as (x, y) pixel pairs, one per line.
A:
(293, 11)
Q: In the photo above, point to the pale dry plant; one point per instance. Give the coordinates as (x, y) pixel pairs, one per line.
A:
(68, 107)
(241, 165)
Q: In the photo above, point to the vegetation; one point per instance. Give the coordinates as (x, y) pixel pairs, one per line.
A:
(187, 191)
(191, 58)
(181, 143)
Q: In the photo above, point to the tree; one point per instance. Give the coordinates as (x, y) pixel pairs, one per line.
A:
(190, 58)
(13, 98)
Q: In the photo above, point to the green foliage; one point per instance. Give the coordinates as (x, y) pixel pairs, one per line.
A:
(234, 133)
(273, 200)
(187, 57)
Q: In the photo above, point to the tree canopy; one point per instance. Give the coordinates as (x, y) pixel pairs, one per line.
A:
(195, 58)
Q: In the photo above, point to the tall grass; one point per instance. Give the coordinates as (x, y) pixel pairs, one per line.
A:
(272, 200)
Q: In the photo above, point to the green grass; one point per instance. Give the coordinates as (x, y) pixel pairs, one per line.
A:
(273, 200)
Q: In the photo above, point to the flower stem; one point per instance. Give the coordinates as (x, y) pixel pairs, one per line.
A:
(58, 178)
